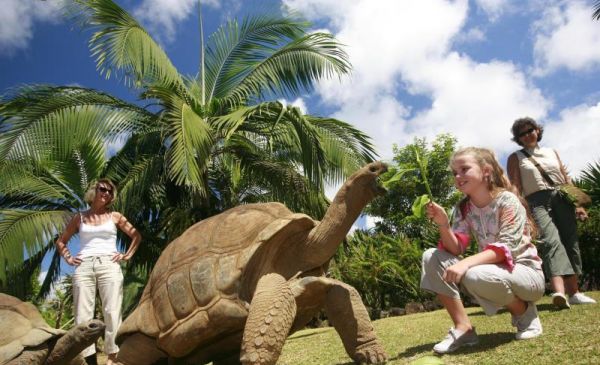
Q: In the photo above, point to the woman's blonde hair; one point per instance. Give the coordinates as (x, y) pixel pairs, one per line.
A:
(497, 181)
(90, 194)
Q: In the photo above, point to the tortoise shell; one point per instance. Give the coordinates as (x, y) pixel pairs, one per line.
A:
(27, 327)
(203, 278)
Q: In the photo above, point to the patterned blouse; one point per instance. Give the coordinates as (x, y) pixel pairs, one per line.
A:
(500, 226)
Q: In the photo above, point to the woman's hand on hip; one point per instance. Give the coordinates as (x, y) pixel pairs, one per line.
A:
(73, 261)
(118, 257)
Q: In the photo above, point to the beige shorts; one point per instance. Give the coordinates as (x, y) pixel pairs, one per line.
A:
(101, 273)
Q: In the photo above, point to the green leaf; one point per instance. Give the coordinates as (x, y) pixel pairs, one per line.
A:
(121, 44)
(419, 205)
(397, 177)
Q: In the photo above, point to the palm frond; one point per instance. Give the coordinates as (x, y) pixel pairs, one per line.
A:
(191, 141)
(347, 148)
(29, 186)
(269, 178)
(231, 45)
(26, 232)
(289, 69)
(596, 14)
(36, 109)
(121, 44)
(589, 180)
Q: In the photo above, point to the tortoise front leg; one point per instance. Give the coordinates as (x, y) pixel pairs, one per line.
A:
(139, 349)
(270, 318)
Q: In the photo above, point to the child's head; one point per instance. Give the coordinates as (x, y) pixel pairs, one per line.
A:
(474, 168)
(477, 168)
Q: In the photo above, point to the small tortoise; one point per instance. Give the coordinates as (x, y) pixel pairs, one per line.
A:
(232, 287)
(25, 338)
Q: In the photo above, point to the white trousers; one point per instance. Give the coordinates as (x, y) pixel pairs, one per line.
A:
(492, 285)
(101, 273)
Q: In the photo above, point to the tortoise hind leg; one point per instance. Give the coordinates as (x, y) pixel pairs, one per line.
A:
(346, 312)
(271, 315)
(350, 318)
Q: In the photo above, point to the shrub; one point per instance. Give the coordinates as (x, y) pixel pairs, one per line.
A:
(386, 270)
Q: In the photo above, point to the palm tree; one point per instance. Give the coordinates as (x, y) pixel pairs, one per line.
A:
(201, 145)
(589, 180)
(596, 14)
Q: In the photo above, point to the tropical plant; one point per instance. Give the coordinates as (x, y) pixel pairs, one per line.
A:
(202, 144)
(417, 172)
(596, 14)
(589, 180)
(589, 231)
(385, 270)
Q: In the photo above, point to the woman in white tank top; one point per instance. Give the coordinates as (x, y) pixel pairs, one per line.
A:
(97, 262)
(555, 216)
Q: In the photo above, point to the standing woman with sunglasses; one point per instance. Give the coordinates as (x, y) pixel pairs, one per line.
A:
(97, 263)
(536, 172)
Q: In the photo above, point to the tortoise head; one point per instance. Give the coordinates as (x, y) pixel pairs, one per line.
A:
(75, 340)
(88, 331)
(366, 181)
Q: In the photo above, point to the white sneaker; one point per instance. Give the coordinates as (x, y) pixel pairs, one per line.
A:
(528, 324)
(580, 298)
(560, 301)
(455, 339)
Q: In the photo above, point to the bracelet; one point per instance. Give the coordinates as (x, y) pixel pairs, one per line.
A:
(67, 255)
(445, 225)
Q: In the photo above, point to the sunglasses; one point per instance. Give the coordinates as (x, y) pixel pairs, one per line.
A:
(102, 189)
(526, 132)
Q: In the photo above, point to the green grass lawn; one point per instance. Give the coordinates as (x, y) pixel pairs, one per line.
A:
(570, 337)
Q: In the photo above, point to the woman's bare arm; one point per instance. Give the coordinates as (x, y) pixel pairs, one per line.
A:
(127, 228)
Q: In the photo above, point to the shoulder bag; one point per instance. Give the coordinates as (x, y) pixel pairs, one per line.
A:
(571, 192)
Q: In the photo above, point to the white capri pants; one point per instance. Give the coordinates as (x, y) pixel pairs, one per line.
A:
(99, 272)
(491, 285)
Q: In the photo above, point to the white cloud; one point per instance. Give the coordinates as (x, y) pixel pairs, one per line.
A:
(298, 103)
(566, 36)
(471, 36)
(494, 8)
(17, 20)
(408, 45)
(162, 16)
(583, 123)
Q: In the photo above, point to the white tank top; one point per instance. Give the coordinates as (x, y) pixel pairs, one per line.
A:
(97, 240)
(531, 178)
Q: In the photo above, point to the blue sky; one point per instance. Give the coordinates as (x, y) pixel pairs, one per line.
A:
(420, 67)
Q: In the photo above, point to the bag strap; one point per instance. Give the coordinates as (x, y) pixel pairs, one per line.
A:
(540, 169)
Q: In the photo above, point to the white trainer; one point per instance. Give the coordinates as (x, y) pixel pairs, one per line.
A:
(528, 324)
(456, 339)
(560, 301)
(580, 298)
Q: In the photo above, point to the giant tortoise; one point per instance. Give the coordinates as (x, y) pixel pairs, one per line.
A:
(232, 287)
(26, 339)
